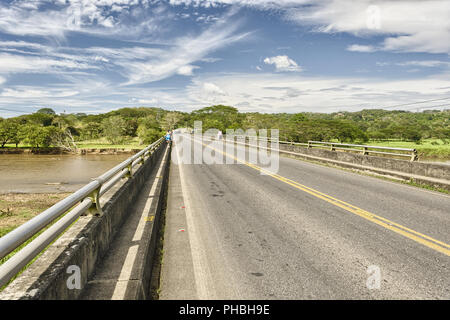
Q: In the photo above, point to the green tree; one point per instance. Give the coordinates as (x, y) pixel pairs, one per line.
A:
(46, 111)
(38, 136)
(9, 130)
(114, 129)
(218, 117)
(92, 130)
(43, 119)
(148, 130)
(171, 119)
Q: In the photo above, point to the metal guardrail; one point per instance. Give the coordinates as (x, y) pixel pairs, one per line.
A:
(86, 199)
(334, 146)
(365, 149)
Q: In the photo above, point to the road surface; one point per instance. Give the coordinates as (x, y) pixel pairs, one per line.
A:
(308, 232)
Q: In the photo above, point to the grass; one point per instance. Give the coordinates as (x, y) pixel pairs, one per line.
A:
(104, 144)
(101, 143)
(431, 149)
(16, 209)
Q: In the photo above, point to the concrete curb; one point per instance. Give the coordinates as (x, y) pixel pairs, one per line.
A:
(437, 183)
(384, 165)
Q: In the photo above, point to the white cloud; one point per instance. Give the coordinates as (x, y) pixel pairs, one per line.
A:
(30, 64)
(408, 25)
(211, 88)
(139, 64)
(186, 70)
(361, 48)
(161, 64)
(56, 18)
(32, 93)
(263, 92)
(210, 60)
(424, 63)
(290, 92)
(283, 63)
(417, 63)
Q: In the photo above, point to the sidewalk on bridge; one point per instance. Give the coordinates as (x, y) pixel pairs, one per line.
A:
(177, 271)
(121, 274)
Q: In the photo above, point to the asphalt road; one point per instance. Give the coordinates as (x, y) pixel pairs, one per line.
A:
(309, 232)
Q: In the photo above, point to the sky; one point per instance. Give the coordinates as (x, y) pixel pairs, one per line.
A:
(93, 56)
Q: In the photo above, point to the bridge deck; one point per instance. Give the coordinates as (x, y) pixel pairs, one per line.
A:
(309, 233)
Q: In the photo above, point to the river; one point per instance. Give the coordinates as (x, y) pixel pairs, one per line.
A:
(28, 173)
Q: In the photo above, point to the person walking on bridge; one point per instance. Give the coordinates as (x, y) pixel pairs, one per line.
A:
(168, 136)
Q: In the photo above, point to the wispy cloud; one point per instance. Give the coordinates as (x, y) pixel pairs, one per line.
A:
(417, 63)
(361, 48)
(407, 25)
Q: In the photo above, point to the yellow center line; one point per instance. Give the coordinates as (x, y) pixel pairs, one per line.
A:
(388, 224)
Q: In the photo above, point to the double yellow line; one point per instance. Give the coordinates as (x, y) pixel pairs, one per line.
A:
(388, 224)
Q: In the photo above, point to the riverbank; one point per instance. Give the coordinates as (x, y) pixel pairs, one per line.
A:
(82, 151)
(17, 208)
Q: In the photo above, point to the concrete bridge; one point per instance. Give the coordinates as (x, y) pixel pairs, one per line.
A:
(324, 228)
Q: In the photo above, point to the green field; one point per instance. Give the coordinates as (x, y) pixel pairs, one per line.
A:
(104, 144)
(97, 144)
(428, 149)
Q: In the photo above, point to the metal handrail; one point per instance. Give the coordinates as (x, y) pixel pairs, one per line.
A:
(412, 153)
(86, 199)
(361, 146)
(333, 146)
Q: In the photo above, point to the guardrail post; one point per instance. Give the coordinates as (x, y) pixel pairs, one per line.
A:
(95, 209)
(309, 144)
(332, 147)
(130, 170)
(414, 156)
(365, 152)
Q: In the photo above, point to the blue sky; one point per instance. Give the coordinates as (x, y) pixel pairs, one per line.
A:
(258, 55)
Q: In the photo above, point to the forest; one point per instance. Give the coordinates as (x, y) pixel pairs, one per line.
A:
(46, 128)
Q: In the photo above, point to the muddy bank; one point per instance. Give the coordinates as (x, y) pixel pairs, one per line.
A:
(62, 151)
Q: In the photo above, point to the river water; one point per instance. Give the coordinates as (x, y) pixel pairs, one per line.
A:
(28, 173)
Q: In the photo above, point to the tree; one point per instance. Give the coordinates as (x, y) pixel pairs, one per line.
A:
(46, 111)
(148, 130)
(171, 119)
(92, 130)
(8, 131)
(114, 129)
(38, 136)
(411, 134)
(43, 119)
(218, 117)
(63, 138)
